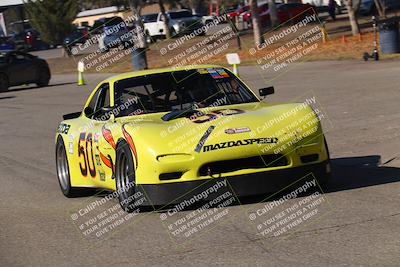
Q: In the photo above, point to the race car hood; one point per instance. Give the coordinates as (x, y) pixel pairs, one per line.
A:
(238, 128)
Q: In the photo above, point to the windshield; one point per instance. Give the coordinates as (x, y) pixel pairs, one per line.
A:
(180, 14)
(180, 90)
(150, 18)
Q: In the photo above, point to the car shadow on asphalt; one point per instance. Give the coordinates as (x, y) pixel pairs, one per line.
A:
(357, 172)
(347, 174)
(24, 88)
(7, 97)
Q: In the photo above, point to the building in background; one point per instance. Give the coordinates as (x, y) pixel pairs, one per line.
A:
(3, 29)
(88, 17)
(17, 14)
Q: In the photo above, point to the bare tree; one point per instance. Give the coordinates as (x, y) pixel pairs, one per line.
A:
(381, 8)
(258, 38)
(273, 14)
(165, 19)
(355, 28)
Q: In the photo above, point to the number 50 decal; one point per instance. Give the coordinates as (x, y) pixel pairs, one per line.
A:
(85, 147)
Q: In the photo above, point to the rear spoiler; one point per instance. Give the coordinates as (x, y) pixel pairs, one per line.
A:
(71, 116)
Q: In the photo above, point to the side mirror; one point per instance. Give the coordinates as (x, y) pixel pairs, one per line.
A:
(266, 91)
(108, 112)
(88, 111)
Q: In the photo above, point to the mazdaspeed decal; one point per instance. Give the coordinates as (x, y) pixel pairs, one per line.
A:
(245, 142)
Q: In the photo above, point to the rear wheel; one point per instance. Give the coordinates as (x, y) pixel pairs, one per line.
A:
(125, 177)
(43, 77)
(4, 83)
(63, 170)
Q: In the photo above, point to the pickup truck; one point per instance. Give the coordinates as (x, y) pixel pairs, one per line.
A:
(322, 5)
(179, 22)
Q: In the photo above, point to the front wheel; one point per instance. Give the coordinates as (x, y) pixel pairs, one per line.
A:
(125, 177)
(4, 83)
(43, 77)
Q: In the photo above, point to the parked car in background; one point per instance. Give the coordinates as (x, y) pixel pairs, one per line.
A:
(113, 32)
(6, 43)
(18, 68)
(286, 12)
(25, 37)
(179, 22)
(205, 19)
(247, 14)
(245, 11)
(78, 36)
(367, 7)
(322, 5)
(233, 13)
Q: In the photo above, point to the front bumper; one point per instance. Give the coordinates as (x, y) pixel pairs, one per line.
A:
(241, 185)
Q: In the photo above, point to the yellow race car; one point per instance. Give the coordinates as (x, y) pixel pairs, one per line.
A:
(165, 132)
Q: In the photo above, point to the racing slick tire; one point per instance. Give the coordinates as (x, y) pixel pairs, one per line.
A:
(4, 83)
(43, 77)
(125, 177)
(63, 170)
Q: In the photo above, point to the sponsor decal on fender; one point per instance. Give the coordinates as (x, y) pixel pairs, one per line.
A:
(96, 137)
(63, 128)
(238, 130)
(245, 142)
(102, 176)
(70, 144)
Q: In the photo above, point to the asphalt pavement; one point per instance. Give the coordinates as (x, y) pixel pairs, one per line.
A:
(360, 225)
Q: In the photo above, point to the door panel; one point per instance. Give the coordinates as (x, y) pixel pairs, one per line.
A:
(89, 142)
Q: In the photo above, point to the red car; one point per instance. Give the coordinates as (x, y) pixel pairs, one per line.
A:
(286, 12)
(235, 13)
(261, 9)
